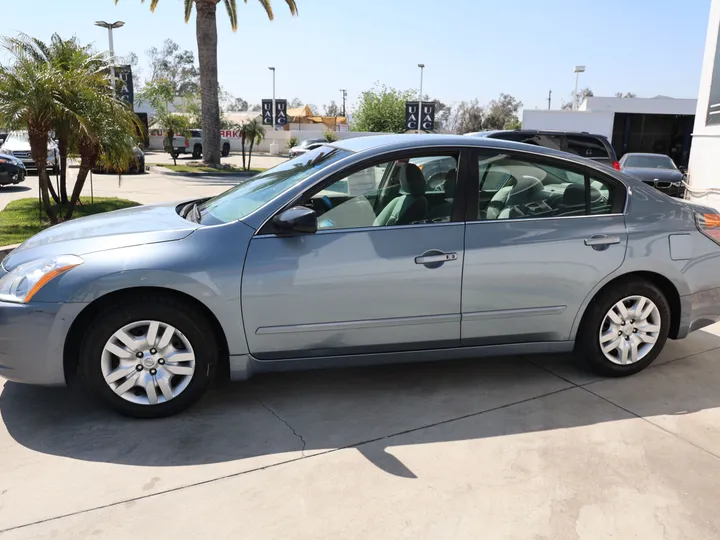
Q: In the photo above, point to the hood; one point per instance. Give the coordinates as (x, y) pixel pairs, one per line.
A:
(652, 174)
(12, 159)
(121, 228)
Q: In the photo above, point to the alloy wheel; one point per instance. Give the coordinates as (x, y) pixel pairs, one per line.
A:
(148, 362)
(630, 330)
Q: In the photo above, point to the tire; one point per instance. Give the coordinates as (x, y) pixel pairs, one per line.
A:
(197, 151)
(193, 336)
(598, 325)
(225, 150)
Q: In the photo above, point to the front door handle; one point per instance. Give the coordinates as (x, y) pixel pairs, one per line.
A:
(601, 241)
(439, 258)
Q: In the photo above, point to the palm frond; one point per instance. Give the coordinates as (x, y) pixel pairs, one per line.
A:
(268, 8)
(232, 13)
(293, 6)
(188, 9)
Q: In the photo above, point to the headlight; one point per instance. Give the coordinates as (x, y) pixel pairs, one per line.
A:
(22, 283)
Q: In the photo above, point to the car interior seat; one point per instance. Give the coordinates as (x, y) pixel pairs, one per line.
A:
(444, 209)
(519, 191)
(411, 205)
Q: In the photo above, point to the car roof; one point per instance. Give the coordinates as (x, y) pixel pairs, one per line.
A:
(649, 154)
(490, 133)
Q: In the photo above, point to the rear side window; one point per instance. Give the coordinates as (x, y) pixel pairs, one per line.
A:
(518, 187)
(195, 133)
(588, 147)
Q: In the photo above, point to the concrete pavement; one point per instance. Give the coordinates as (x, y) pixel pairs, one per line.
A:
(507, 448)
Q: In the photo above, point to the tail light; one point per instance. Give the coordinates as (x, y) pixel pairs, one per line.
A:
(709, 225)
(187, 142)
(616, 165)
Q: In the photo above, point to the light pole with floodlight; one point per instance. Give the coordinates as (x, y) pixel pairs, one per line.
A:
(110, 27)
(422, 68)
(273, 101)
(578, 71)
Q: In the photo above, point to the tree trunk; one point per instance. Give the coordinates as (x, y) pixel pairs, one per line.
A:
(252, 141)
(63, 147)
(206, 29)
(242, 141)
(89, 153)
(39, 150)
(171, 138)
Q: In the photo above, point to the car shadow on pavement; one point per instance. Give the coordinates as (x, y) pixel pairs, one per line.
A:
(14, 189)
(365, 408)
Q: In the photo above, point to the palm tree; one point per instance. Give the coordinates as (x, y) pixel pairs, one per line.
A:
(108, 137)
(206, 31)
(32, 97)
(255, 133)
(67, 56)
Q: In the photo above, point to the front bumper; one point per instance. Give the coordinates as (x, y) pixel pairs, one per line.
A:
(32, 339)
(674, 189)
(11, 175)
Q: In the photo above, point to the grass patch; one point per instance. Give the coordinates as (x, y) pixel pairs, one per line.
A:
(21, 219)
(204, 169)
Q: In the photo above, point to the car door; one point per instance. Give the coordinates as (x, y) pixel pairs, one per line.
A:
(551, 231)
(382, 273)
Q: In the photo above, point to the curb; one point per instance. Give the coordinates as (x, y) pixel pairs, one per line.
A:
(168, 172)
(5, 250)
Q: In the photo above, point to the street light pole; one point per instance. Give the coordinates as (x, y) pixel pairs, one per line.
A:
(273, 102)
(422, 68)
(578, 71)
(344, 95)
(110, 27)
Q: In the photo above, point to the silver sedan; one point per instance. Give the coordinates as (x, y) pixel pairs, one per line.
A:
(350, 254)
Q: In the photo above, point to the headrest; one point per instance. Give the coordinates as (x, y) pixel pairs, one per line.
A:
(450, 183)
(574, 195)
(412, 180)
(526, 189)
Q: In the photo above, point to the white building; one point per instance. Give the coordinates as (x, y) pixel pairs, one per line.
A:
(704, 170)
(660, 124)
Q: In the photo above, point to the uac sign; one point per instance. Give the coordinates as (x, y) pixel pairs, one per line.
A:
(419, 117)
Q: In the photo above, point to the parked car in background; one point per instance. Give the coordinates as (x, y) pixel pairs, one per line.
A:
(657, 170)
(12, 170)
(193, 144)
(538, 251)
(135, 166)
(17, 144)
(587, 145)
(305, 146)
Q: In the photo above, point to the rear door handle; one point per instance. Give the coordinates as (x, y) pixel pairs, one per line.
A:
(601, 240)
(440, 258)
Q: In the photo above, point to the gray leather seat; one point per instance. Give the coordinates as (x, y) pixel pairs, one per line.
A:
(411, 205)
(444, 209)
(573, 200)
(523, 190)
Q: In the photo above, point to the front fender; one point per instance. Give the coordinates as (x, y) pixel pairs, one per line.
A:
(207, 266)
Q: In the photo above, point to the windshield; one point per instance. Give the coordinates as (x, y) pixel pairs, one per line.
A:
(18, 136)
(650, 162)
(245, 198)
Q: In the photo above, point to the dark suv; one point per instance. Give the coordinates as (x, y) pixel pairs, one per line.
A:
(595, 147)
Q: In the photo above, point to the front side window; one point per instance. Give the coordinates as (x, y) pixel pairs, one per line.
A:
(245, 198)
(517, 188)
(406, 191)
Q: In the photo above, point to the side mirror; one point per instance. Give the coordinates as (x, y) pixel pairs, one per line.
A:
(298, 219)
(682, 169)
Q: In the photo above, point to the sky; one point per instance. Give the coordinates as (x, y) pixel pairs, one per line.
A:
(472, 49)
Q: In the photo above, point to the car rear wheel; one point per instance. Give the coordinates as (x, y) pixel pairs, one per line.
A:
(625, 329)
(225, 150)
(150, 357)
(197, 152)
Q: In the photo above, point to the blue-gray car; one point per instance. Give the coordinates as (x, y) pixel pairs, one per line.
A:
(350, 255)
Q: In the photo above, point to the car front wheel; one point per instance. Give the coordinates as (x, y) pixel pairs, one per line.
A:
(625, 329)
(150, 357)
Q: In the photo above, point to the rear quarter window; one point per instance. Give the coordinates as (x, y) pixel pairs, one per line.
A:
(588, 147)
